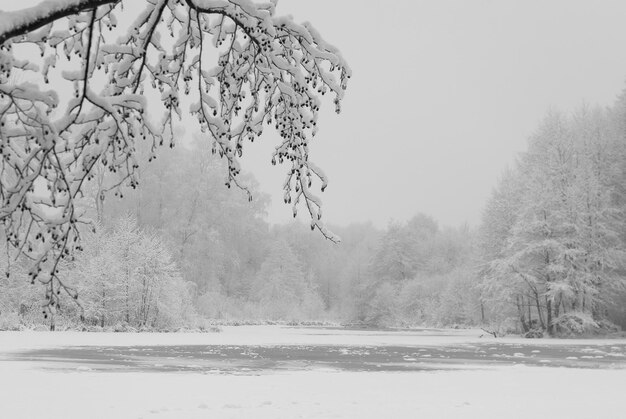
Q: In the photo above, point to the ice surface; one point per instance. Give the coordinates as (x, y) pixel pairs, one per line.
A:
(30, 390)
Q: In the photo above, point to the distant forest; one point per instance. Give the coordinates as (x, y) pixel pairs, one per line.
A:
(181, 248)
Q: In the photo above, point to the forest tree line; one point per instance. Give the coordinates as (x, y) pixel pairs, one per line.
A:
(547, 257)
(183, 247)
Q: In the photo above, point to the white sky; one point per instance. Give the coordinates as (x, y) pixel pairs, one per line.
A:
(443, 96)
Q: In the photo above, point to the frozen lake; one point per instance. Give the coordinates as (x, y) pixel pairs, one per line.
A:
(273, 371)
(250, 359)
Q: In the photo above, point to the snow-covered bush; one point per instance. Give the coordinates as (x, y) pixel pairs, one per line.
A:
(534, 334)
(580, 323)
(575, 323)
(9, 321)
(413, 302)
(381, 308)
(607, 326)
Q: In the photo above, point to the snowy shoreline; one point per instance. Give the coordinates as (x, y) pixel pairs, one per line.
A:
(276, 335)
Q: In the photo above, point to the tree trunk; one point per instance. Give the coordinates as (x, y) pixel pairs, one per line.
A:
(482, 312)
(549, 316)
(583, 303)
(127, 299)
(52, 322)
(103, 306)
(520, 310)
(539, 314)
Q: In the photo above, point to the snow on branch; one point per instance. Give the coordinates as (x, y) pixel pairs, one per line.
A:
(85, 101)
(46, 12)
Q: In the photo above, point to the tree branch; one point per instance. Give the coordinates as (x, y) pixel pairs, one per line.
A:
(43, 15)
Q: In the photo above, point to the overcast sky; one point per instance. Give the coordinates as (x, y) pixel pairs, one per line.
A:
(443, 96)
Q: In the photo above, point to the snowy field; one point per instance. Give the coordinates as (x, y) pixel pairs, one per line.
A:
(284, 372)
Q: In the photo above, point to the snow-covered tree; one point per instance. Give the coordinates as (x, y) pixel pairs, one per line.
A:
(397, 257)
(98, 278)
(111, 73)
(552, 234)
(215, 235)
(282, 287)
(127, 275)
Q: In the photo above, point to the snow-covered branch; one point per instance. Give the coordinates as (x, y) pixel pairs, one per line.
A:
(25, 21)
(91, 96)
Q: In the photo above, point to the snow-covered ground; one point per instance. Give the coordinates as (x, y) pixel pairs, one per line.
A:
(35, 382)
